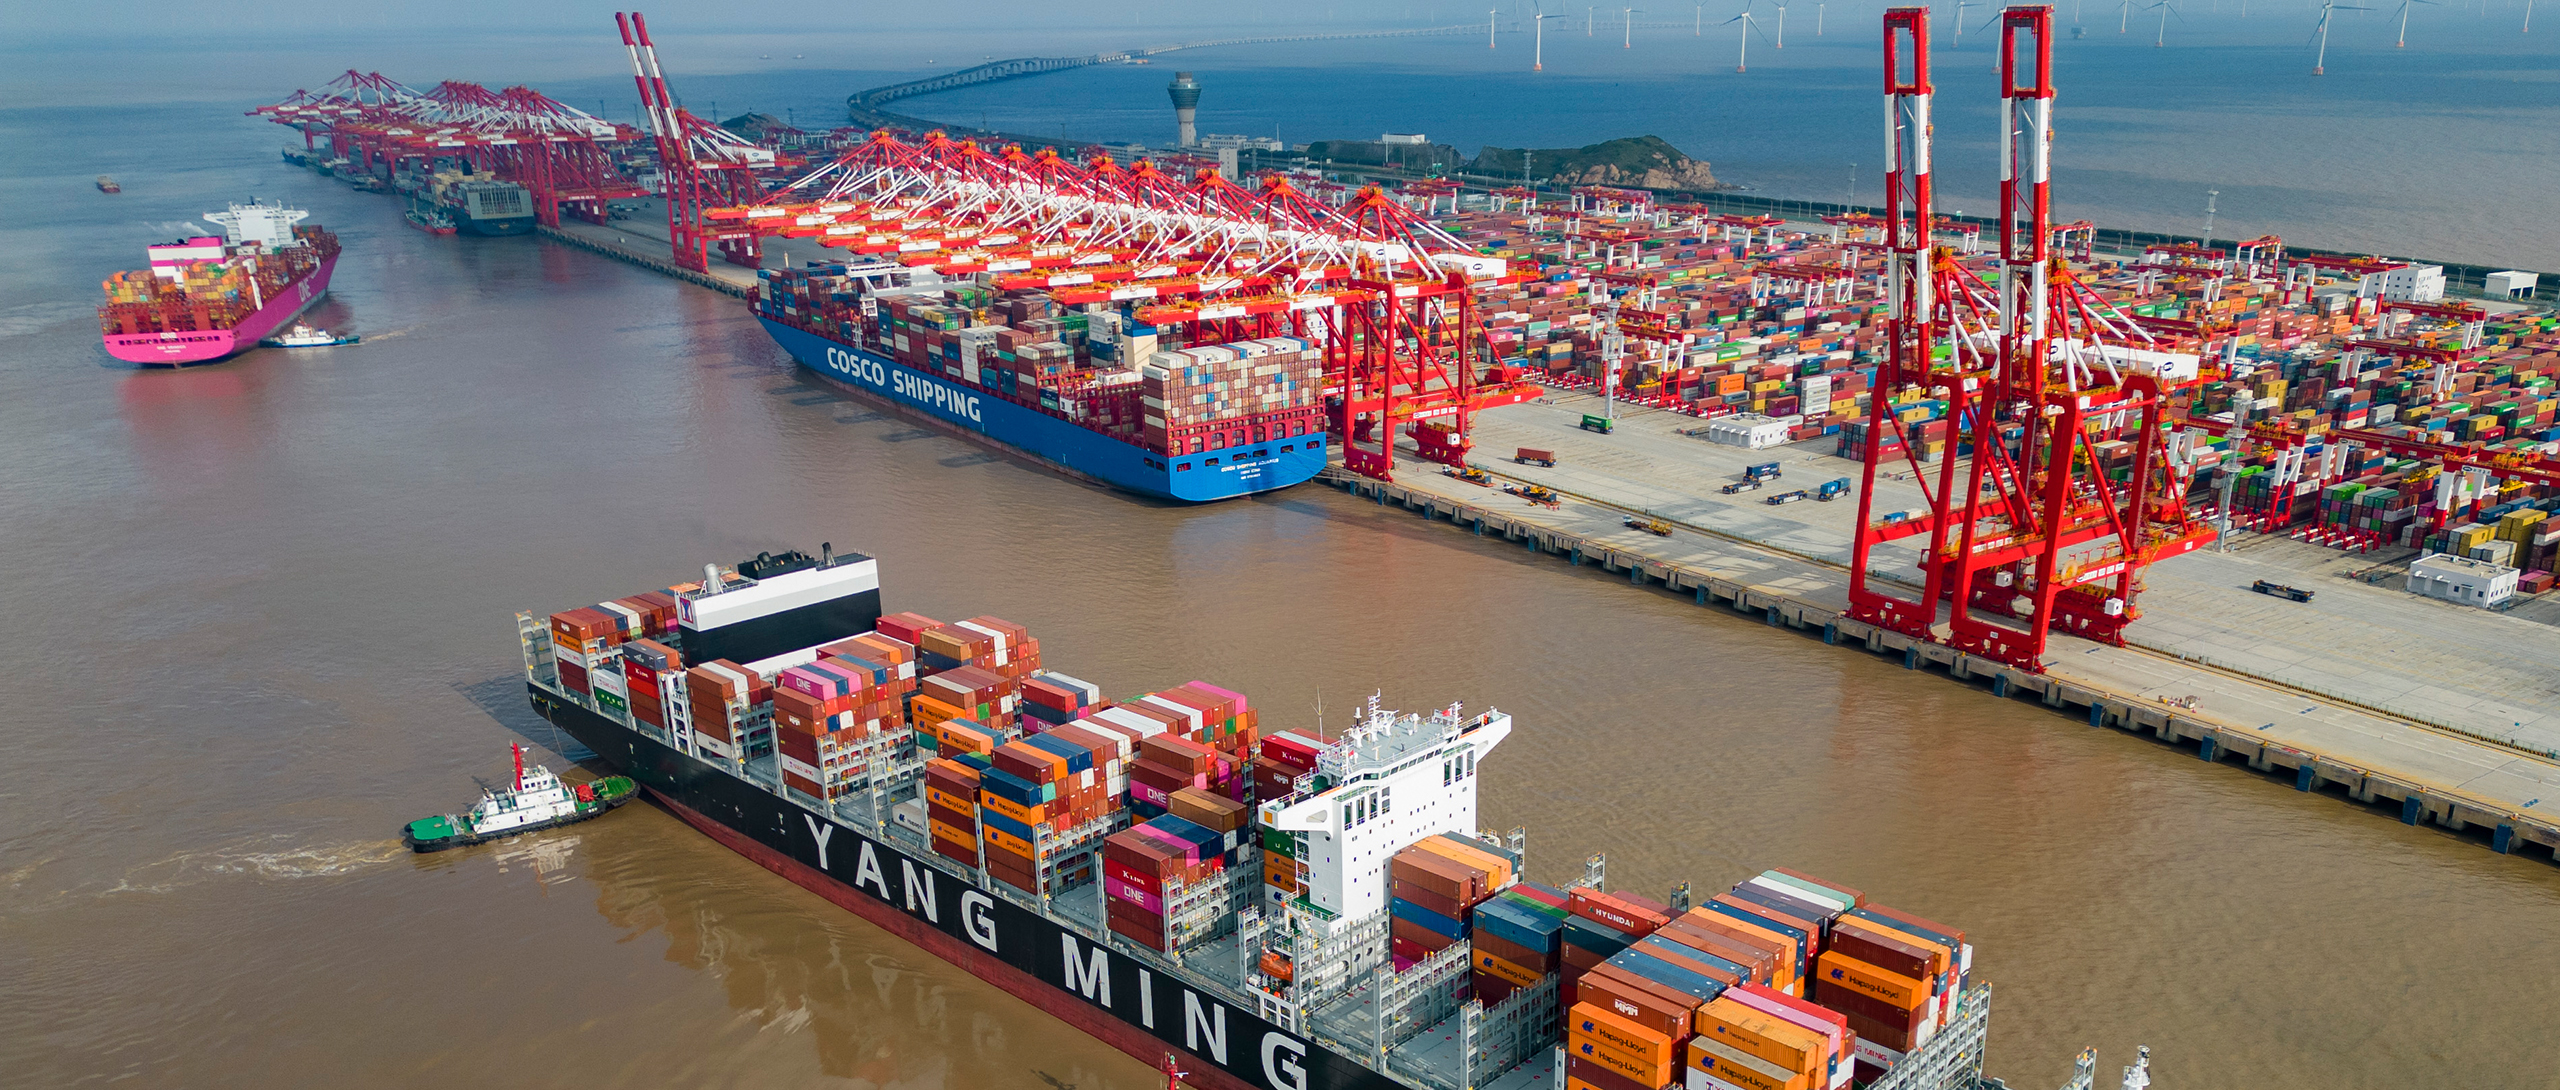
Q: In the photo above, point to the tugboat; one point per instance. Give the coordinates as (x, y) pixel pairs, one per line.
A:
(538, 800)
(433, 221)
(303, 336)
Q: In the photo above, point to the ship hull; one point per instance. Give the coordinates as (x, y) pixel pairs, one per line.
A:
(1056, 443)
(500, 227)
(181, 349)
(1141, 1010)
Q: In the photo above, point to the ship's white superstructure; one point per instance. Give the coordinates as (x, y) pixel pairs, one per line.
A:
(1390, 781)
(537, 797)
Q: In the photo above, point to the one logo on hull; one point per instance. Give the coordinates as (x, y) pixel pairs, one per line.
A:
(940, 397)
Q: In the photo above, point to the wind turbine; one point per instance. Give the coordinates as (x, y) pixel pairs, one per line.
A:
(2528, 18)
(1630, 42)
(1489, 18)
(2403, 43)
(1782, 24)
(2124, 16)
(1538, 52)
(1700, 29)
(1750, 26)
(2166, 10)
(1817, 19)
(2319, 65)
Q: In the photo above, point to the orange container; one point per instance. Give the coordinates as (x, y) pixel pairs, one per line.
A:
(1738, 1068)
(1839, 970)
(1785, 1044)
(1505, 969)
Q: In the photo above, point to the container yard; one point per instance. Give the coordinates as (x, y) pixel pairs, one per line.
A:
(1258, 903)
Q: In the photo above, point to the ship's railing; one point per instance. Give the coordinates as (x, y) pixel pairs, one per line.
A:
(1502, 1036)
(1953, 1060)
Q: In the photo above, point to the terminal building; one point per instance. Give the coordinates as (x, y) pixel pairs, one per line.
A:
(2462, 580)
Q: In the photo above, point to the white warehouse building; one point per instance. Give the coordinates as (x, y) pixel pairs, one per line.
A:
(2461, 579)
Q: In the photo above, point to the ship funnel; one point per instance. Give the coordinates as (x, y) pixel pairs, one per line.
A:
(826, 554)
(711, 578)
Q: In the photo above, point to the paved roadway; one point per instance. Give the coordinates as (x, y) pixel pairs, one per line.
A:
(2490, 674)
(2501, 777)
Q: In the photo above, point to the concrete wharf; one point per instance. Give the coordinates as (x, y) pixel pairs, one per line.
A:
(1794, 575)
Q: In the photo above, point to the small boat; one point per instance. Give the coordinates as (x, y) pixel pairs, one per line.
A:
(107, 184)
(303, 336)
(537, 800)
(432, 221)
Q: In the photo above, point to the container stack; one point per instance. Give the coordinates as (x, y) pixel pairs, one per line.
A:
(830, 716)
(580, 640)
(1757, 1038)
(1282, 759)
(1044, 787)
(1051, 699)
(951, 808)
(1434, 886)
(722, 701)
(1168, 883)
(1194, 736)
(1209, 398)
(1280, 764)
(1517, 939)
(654, 674)
(1894, 978)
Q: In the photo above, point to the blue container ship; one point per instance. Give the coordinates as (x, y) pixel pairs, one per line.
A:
(1089, 395)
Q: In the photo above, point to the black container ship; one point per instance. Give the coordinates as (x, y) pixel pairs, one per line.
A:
(1256, 907)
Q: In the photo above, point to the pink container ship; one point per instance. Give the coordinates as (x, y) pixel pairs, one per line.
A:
(207, 298)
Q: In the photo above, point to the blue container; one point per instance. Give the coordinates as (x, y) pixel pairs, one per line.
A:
(1001, 823)
(1010, 788)
(1440, 925)
(1600, 939)
(1668, 975)
(1079, 759)
(1657, 942)
(1804, 942)
(1519, 926)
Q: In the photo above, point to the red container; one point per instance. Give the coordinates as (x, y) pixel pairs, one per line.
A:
(907, 628)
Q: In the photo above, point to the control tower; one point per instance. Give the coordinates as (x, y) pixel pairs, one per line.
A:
(1185, 93)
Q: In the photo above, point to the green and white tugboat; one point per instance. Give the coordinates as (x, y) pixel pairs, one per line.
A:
(538, 800)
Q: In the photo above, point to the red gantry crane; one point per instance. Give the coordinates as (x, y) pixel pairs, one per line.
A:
(2046, 388)
(701, 165)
